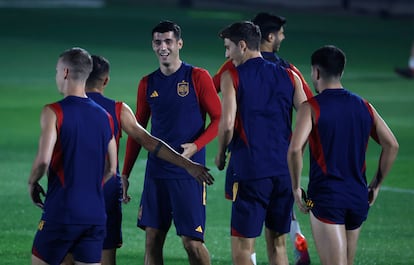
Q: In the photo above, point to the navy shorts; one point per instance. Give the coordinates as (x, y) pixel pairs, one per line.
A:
(351, 218)
(181, 200)
(113, 205)
(53, 241)
(267, 200)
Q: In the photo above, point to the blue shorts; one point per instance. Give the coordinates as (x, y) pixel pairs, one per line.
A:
(351, 218)
(267, 200)
(181, 200)
(113, 205)
(53, 241)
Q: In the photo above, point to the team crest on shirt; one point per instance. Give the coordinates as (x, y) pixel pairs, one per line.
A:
(183, 88)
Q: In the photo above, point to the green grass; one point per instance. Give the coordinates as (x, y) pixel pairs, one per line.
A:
(31, 40)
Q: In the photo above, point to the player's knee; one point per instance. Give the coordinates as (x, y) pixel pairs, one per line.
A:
(154, 238)
(192, 246)
(280, 241)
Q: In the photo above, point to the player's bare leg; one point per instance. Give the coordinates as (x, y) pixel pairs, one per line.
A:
(241, 249)
(276, 248)
(68, 260)
(154, 243)
(109, 256)
(37, 261)
(330, 241)
(196, 251)
(352, 240)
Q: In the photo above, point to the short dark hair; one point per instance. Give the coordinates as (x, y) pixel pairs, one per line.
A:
(100, 69)
(268, 23)
(330, 59)
(166, 26)
(244, 30)
(78, 61)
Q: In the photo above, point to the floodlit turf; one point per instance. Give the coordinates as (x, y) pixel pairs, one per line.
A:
(32, 39)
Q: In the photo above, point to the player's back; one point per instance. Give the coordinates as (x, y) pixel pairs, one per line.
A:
(112, 107)
(76, 171)
(338, 143)
(265, 103)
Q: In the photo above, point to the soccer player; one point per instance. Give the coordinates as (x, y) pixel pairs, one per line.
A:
(338, 124)
(124, 119)
(76, 137)
(272, 30)
(257, 101)
(177, 96)
(407, 72)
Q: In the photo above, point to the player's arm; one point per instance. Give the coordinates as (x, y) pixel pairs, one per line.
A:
(305, 85)
(299, 95)
(209, 103)
(159, 148)
(227, 119)
(295, 152)
(389, 149)
(47, 142)
(111, 161)
(142, 116)
(217, 77)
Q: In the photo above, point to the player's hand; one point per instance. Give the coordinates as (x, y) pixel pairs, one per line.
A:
(301, 200)
(125, 185)
(35, 190)
(189, 149)
(220, 161)
(200, 173)
(372, 195)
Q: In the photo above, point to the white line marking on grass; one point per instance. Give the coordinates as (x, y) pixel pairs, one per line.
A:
(397, 190)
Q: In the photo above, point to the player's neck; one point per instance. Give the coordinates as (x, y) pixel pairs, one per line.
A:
(171, 68)
(94, 90)
(72, 88)
(266, 48)
(250, 54)
(331, 85)
(80, 94)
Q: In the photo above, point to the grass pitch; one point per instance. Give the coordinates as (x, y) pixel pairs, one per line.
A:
(32, 39)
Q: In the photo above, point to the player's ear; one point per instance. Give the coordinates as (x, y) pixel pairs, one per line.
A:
(270, 37)
(318, 73)
(242, 45)
(106, 81)
(65, 73)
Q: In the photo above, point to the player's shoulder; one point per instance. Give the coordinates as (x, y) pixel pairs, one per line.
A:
(52, 104)
(145, 77)
(97, 97)
(280, 69)
(53, 107)
(228, 65)
(284, 62)
(143, 82)
(199, 72)
(97, 106)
